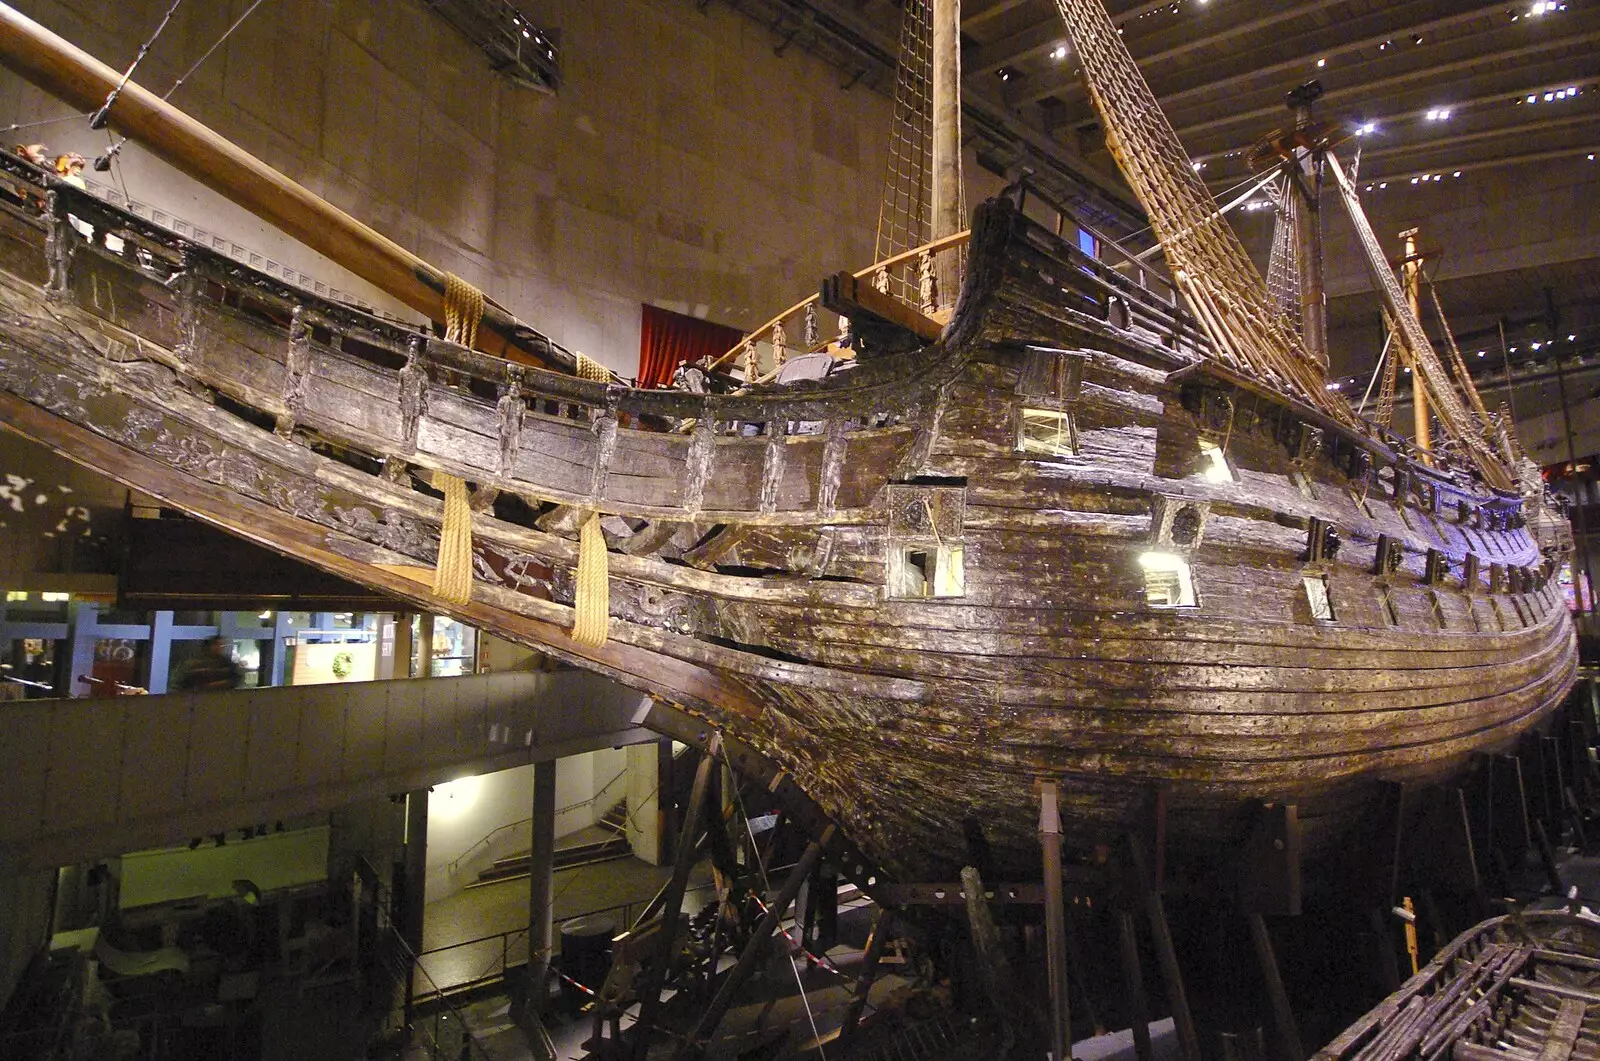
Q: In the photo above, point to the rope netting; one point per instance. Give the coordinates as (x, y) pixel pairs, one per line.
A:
(1391, 378)
(1283, 265)
(1248, 334)
(905, 211)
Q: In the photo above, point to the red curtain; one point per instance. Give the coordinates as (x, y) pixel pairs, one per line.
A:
(667, 339)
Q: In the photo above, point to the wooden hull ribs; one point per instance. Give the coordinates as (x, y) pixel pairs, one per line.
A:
(1050, 545)
(1513, 988)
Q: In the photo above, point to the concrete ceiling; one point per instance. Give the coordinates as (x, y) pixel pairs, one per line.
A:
(1445, 85)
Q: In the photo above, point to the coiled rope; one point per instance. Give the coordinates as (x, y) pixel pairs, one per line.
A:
(590, 369)
(463, 309)
(591, 604)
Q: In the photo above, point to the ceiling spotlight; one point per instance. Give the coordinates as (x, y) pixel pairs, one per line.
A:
(1457, 173)
(1321, 63)
(1572, 338)
(1003, 74)
(1060, 52)
(1417, 39)
(1382, 185)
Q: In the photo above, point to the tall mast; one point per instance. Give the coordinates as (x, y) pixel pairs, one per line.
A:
(948, 206)
(948, 216)
(1411, 272)
(1305, 173)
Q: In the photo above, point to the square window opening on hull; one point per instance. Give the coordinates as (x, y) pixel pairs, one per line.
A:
(1317, 597)
(1049, 432)
(1168, 581)
(921, 571)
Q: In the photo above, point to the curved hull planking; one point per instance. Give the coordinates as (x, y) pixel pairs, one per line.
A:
(1045, 547)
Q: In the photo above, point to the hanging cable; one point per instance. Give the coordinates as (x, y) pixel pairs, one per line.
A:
(103, 163)
(19, 126)
(103, 115)
(1377, 368)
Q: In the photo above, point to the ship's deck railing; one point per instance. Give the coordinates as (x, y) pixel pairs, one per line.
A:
(1149, 295)
(773, 343)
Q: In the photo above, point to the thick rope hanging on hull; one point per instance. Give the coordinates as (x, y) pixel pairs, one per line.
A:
(463, 309)
(591, 618)
(1217, 277)
(452, 572)
(592, 370)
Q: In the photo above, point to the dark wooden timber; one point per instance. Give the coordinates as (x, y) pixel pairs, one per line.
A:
(773, 553)
(1513, 988)
(736, 977)
(672, 898)
(1055, 922)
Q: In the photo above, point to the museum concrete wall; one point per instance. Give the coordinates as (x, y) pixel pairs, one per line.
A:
(681, 163)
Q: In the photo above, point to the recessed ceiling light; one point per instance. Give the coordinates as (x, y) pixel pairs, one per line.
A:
(1321, 63)
(1060, 52)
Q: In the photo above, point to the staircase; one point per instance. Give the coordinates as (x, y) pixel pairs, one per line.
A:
(604, 841)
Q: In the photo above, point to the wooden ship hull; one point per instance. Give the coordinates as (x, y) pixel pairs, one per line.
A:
(1513, 988)
(916, 587)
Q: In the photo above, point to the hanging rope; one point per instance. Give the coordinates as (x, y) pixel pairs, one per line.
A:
(463, 309)
(1377, 371)
(590, 369)
(591, 604)
(1391, 378)
(452, 572)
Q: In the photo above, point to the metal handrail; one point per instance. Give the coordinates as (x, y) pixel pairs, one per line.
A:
(455, 863)
(413, 964)
(510, 934)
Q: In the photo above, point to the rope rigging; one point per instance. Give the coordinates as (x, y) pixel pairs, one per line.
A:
(1210, 265)
(905, 210)
(1283, 266)
(103, 115)
(103, 163)
(1460, 421)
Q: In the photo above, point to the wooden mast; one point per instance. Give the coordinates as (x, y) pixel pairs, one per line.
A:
(80, 80)
(948, 215)
(1411, 274)
(1305, 173)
